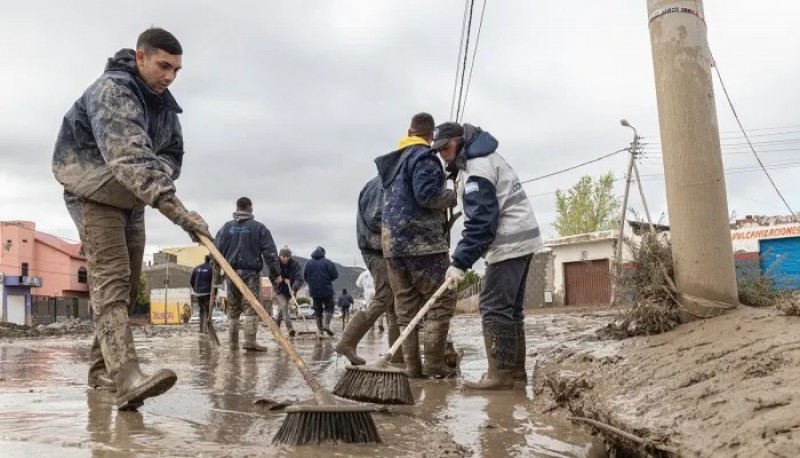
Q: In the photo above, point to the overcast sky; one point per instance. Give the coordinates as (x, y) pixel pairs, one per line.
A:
(289, 102)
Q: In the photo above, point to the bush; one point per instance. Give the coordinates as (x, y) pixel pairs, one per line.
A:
(758, 290)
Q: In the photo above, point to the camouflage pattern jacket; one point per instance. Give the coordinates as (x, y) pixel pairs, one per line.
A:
(121, 143)
(416, 199)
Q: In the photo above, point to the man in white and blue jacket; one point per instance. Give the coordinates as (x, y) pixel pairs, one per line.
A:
(499, 226)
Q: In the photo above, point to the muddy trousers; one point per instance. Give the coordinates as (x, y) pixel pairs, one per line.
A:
(382, 302)
(414, 279)
(113, 242)
(283, 312)
(323, 313)
(502, 312)
(202, 303)
(238, 306)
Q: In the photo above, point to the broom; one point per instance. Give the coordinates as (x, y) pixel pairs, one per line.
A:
(300, 314)
(378, 382)
(313, 423)
(210, 331)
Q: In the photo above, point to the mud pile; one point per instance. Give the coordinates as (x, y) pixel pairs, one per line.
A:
(724, 387)
(60, 328)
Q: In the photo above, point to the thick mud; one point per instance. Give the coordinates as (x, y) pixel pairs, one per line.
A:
(47, 410)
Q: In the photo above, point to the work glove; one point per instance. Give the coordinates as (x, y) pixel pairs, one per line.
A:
(456, 274)
(190, 221)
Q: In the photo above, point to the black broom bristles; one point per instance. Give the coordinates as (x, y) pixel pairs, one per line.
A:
(379, 386)
(309, 426)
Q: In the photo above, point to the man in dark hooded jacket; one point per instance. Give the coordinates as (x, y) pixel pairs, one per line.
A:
(499, 226)
(319, 272)
(119, 149)
(247, 245)
(416, 200)
(292, 275)
(200, 281)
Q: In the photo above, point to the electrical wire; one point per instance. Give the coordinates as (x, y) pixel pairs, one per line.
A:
(472, 64)
(466, 55)
(458, 59)
(573, 167)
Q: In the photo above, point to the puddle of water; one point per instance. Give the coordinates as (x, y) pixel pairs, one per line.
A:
(48, 411)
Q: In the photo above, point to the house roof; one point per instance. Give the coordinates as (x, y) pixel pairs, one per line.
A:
(70, 249)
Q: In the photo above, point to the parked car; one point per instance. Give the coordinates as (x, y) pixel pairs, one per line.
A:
(218, 317)
(195, 319)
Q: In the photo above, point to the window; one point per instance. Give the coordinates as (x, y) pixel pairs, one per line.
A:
(24, 269)
(82, 277)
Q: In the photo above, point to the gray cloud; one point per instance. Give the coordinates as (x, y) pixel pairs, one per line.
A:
(288, 102)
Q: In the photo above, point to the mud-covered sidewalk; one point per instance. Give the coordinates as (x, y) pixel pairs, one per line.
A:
(723, 387)
(47, 410)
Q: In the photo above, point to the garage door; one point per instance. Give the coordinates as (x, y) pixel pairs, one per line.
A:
(587, 282)
(780, 259)
(16, 309)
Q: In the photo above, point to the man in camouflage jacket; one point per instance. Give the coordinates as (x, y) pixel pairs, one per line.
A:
(415, 244)
(119, 149)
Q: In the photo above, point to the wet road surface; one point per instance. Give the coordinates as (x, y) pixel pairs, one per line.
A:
(47, 410)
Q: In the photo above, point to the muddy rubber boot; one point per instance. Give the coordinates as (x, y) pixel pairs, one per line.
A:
(501, 348)
(411, 354)
(435, 344)
(98, 376)
(116, 341)
(520, 374)
(327, 327)
(320, 328)
(250, 334)
(203, 321)
(393, 334)
(233, 333)
(355, 330)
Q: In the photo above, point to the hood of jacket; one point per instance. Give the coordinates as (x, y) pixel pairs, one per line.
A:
(242, 216)
(389, 164)
(477, 143)
(318, 253)
(125, 61)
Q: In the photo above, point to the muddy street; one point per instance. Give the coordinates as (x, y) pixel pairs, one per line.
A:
(49, 411)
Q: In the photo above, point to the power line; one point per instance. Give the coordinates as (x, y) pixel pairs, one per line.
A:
(472, 65)
(574, 166)
(741, 127)
(458, 59)
(466, 54)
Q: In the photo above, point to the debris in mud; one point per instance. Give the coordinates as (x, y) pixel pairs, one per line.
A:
(790, 308)
(72, 326)
(656, 308)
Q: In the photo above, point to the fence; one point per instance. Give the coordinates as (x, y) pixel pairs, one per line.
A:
(471, 290)
(46, 310)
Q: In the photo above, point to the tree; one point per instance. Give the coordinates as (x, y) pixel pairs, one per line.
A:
(144, 295)
(470, 278)
(589, 206)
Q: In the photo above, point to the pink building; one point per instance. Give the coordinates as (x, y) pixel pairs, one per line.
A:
(33, 263)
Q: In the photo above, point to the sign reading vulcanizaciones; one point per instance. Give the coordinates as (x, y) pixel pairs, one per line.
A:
(765, 232)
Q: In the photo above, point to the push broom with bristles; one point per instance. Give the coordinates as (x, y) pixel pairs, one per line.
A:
(324, 420)
(378, 382)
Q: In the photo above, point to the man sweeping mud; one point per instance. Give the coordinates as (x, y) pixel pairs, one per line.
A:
(292, 275)
(499, 226)
(414, 242)
(247, 245)
(120, 148)
(381, 299)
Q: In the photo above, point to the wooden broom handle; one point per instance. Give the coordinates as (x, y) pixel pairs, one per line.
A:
(305, 371)
(418, 317)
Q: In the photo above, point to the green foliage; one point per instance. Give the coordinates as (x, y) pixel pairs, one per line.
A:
(470, 278)
(143, 296)
(588, 206)
(757, 289)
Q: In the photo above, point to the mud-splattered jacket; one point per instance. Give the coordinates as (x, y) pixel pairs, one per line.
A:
(368, 219)
(248, 245)
(293, 272)
(121, 143)
(415, 198)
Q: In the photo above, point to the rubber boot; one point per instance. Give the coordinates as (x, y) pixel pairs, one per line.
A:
(320, 330)
(356, 328)
(327, 327)
(250, 333)
(233, 333)
(393, 334)
(520, 374)
(434, 365)
(98, 376)
(501, 349)
(203, 320)
(116, 342)
(411, 354)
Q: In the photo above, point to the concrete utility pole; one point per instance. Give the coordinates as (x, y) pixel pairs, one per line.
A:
(695, 180)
